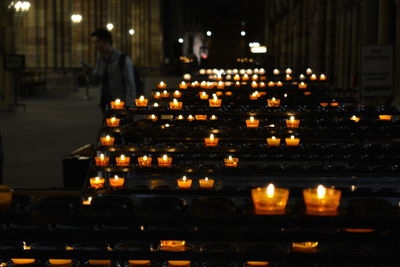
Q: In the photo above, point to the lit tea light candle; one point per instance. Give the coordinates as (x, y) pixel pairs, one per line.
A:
(355, 118)
(187, 76)
(262, 85)
(228, 77)
(302, 77)
(271, 84)
(322, 77)
(117, 104)
(285, 95)
(213, 118)
(215, 101)
(122, 160)
(144, 161)
(175, 104)
(257, 263)
(269, 200)
(242, 71)
(141, 101)
(184, 183)
(157, 95)
(254, 77)
(206, 183)
(292, 141)
(173, 245)
(165, 94)
(112, 122)
(202, 72)
(116, 181)
(273, 141)
(276, 72)
(201, 117)
(252, 123)
(101, 160)
(177, 94)
(236, 77)
(302, 85)
(231, 162)
(105, 263)
(385, 117)
(292, 122)
(261, 71)
(313, 77)
(220, 85)
(155, 105)
(178, 263)
(183, 85)
(255, 95)
(219, 93)
(162, 85)
(211, 141)
(153, 117)
(334, 104)
(195, 84)
(60, 262)
(288, 77)
(180, 117)
(164, 161)
(228, 93)
(138, 263)
(309, 71)
(305, 247)
(87, 201)
(107, 140)
(321, 201)
(254, 84)
(279, 84)
(97, 182)
(288, 71)
(273, 102)
(20, 261)
(190, 118)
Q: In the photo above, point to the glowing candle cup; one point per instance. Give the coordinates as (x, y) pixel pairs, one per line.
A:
(273, 102)
(175, 104)
(385, 117)
(273, 141)
(162, 85)
(215, 102)
(322, 201)
(60, 262)
(122, 161)
(141, 101)
(211, 141)
(231, 162)
(292, 122)
(144, 161)
(252, 123)
(117, 104)
(164, 161)
(117, 182)
(107, 140)
(101, 160)
(184, 183)
(112, 122)
(97, 182)
(206, 183)
(137, 263)
(292, 141)
(270, 200)
(173, 245)
(178, 263)
(305, 247)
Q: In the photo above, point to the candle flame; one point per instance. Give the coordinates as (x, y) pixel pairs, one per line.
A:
(321, 192)
(273, 99)
(97, 178)
(155, 104)
(175, 101)
(117, 101)
(122, 157)
(158, 94)
(108, 137)
(113, 119)
(273, 137)
(184, 178)
(308, 71)
(285, 95)
(153, 116)
(101, 156)
(230, 158)
(116, 177)
(270, 191)
(206, 179)
(211, 137)
(292, 137)
(177, 92)
(180, 117)
(251, 119)
(213, 117)
(291, 118)
(161, 83)
(141, 98)
(144, 157)
(165, 157)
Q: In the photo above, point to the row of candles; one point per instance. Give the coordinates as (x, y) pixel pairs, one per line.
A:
(260, 71)
(210, 141)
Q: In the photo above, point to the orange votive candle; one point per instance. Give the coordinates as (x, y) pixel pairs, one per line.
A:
(184, 183)
(162, 85)
(165, 94)
(59, 262)
(112, 122)
(262, 85)
(292, 122)
(322, 201)
(302, 85)
(220, 85)
(107, 140)
(255, 95)
(175, 104)
(231, 162)
(144, 161)
(21, 261)
(206, 183)
(116, 181)
(211, 141)
(257, 263)
(201, 117)
(177, 94)
(117, 104)
(271, 84)
(252, 123)
(139, 262)
(292, 141)
(100, 262)
(322, 77)
(203, 95)
(183, 85)
(213, 118)
(87, 201)
(269, 200)
(273, 141)
(141, 101)
(173, 245)
(178, 263)
(254, 84)
(122, 160)
(305, 247)
(385, 117)
(215, 101)
(313, 77)
(157, 95)
(355, 118)
(164, 161)
(97, 182)
(273, 102)
(101, 160)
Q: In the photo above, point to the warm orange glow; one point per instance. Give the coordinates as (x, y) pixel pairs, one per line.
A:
(164, 161)
(145, 161)
(254, 77)
(100, 262)
(183, 85)
(313, 77)
(116, 181)
(273, 102)
(165, 94)
(101, 160)
(231, 162)
(288, 77)
(173, 245)
(213, 118)
(252, 123)
(206, 183)
(305, 247)
(385, 117)
(292, 141)
(322, 77)
(262, 84)
(112, 122)
(257, 263)
(107, 140)
(122, 160)
(322, 201)
(179, 263)
(215, 101)
(355, 118)
(184, 183)
(141, 101)
(117, 104)
(269, 200)
(133, 263)
(58, 262)
(292, 122)
(201, 117)
(175, 104)
(271, 84)
(279, 84)
(273, 141)
(157, 95)
(162, 85)
(254, 84)
(177, 94)
(302, 85)
(20, 261)
(97, 182)
(220, 85)
(236, 77)
(211, 141)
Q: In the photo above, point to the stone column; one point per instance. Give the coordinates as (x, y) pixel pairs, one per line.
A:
(396, 100)
(330, 39)
(355, 44)
(384, 19)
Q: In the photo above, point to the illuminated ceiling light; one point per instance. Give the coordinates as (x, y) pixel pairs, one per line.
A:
(242, 33)
(259, 50)
(131, 31)
(76, 18)
(180, 40)
(110, 26)
(208, 33)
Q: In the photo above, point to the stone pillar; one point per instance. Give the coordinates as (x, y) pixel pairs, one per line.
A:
(369, 21)
(396, 100)
(317, 36)
(330, 39)
(355, 45)
(384, 19)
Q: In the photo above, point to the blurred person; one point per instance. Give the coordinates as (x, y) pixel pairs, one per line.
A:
(113, 71)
